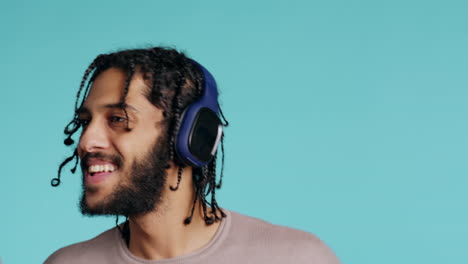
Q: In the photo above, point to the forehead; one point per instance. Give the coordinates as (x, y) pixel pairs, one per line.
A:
(108, 88)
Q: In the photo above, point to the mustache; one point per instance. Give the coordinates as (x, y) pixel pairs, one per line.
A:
(115, 159)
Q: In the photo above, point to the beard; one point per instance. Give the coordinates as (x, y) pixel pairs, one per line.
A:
(141, 195)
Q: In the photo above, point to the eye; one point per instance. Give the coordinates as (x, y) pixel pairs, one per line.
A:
(84, 122)
(117, 119)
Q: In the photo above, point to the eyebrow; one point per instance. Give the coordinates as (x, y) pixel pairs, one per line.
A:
(84, 110)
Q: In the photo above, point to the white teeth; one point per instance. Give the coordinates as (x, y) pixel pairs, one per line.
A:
(101, 168)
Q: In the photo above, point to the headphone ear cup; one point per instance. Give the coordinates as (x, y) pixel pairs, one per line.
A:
(198, 136)
(200, 129)
(205, 134)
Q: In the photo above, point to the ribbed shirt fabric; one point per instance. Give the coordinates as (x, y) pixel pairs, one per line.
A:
(239, 239)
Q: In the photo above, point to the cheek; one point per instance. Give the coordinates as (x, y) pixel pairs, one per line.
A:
(137, 143)
(133, 149)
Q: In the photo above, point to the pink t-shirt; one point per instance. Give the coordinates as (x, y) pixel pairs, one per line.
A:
(239, 239)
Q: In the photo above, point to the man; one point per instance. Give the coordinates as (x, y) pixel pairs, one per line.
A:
(150, 129)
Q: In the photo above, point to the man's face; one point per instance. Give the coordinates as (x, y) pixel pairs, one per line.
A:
(122, 170)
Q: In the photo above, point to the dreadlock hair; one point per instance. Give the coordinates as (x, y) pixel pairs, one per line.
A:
(173, 83)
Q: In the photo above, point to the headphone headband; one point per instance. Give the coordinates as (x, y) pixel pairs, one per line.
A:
(209, 88)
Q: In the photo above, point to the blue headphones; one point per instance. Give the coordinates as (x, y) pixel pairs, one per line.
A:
(200, 129)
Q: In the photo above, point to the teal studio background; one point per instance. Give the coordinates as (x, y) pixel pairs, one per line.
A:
(348, 118)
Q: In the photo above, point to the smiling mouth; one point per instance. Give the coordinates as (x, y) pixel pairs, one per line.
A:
(96, 169)
(98, 173)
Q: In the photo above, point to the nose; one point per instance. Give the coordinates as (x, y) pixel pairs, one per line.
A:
(93, 138)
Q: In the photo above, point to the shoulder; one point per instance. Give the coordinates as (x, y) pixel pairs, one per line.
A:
(83, 251)
(289, 244)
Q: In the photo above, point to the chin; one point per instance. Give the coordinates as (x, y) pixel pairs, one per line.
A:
(93, 202)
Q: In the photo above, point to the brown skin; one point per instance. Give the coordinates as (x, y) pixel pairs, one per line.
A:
(159, 234)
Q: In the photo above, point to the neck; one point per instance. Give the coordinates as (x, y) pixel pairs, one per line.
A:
(162, 234)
